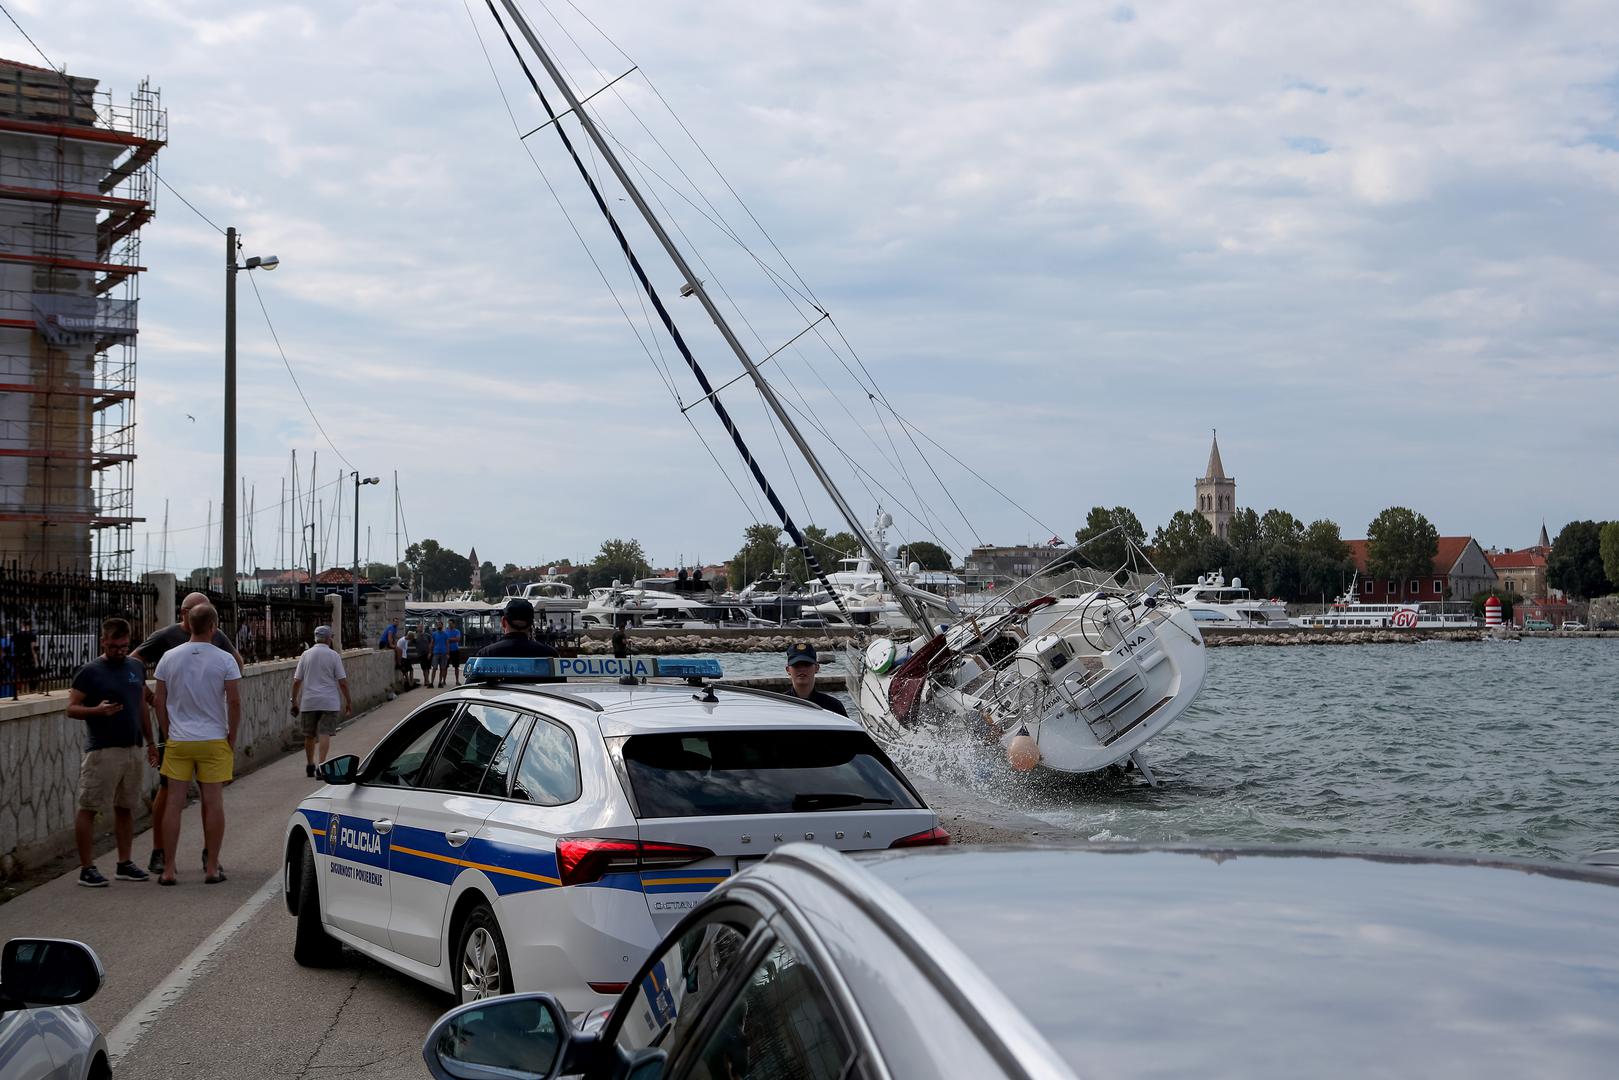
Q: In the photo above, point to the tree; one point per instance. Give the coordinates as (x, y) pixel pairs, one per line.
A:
(619, 560)
(1113, 551)
(761, 553)
(436, 569)
(928, 555)
(1401, 545)
(1325, 564)
(492, 580)
(1575, 565)
(1247, 549)
(1608, 545)
(379, 573)
(1177, 548)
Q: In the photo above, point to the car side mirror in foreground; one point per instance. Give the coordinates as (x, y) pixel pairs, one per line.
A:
(48, 971)
(516, 1037)
(339, 770)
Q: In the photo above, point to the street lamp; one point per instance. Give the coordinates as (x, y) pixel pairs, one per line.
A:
(228, 547)
(357, 483)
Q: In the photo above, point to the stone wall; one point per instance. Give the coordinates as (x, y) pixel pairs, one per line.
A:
(40, 750)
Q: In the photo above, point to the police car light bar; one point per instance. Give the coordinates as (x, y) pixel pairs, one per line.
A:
(519, 668)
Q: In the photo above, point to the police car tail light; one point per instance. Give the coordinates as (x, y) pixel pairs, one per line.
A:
(584, 859)
(932, 838)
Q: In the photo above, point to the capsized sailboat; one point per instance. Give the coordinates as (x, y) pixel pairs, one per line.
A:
(1075, 684)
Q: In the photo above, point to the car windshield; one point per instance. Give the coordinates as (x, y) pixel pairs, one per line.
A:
(701, 773)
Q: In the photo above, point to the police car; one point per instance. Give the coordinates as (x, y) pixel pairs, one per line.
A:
(520, 833)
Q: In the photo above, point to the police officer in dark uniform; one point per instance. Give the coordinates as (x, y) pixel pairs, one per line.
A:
(801, 669)
(516, 622)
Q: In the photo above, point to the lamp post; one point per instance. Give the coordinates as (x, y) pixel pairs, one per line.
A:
(227, 571)
(357, 483)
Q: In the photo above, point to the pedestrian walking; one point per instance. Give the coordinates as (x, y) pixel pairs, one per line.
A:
(109, 695)
(151, 652)
(441, 650)
(320, 687)
(621, 641)
(199, 704)
(802, 667)
(25, 655)
(452, 640)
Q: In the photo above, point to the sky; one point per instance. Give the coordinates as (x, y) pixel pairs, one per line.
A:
(1373, 245)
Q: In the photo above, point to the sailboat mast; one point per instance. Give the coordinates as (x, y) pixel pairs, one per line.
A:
(901, 591)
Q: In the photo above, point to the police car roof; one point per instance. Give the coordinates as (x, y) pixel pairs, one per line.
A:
(668, 706)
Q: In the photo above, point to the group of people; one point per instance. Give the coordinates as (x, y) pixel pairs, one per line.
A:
(186, 726)
(437, 648)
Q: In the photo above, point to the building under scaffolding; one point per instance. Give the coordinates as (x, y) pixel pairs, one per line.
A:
(75, 188)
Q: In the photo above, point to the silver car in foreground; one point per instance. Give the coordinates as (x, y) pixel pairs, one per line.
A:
(1104, 961)
(44, 1035)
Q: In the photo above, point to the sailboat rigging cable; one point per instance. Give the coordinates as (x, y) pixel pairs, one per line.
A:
(811, 561)
(863, 378)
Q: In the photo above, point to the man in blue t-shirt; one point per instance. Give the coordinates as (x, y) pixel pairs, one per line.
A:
(441, 650)
(452, 638)
(109, 695)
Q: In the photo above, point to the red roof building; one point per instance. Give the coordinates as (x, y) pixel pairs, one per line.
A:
(1522, 572)
(1460, 569)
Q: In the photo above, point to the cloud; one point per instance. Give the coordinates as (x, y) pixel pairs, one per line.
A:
(1066, 240)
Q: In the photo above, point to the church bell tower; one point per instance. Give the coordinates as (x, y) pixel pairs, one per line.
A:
(1217, 493)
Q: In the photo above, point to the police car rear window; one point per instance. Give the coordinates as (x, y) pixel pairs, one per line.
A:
(696, 774)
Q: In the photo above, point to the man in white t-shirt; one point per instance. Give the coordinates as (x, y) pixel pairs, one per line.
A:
(320, 686)
(199, 704)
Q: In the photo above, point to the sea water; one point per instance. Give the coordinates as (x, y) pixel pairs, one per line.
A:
(1492, 748)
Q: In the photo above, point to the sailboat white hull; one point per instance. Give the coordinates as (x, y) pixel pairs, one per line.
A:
(1091, 684)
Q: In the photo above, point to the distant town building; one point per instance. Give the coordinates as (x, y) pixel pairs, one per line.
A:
(75, 189)
(1216, 493)
(1460, 569)
(477, 572)
(1523, 571)
(988, 565)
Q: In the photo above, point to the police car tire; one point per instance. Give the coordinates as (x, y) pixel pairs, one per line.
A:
(313, 946)
(480, 918)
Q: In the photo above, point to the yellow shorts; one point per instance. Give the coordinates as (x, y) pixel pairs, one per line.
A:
(208, 761)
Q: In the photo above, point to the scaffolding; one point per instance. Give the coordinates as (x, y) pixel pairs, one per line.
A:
(76, 176)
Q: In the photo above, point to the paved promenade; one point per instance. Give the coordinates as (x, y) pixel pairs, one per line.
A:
(200, 978)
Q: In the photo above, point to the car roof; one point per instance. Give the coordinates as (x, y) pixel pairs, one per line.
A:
(651, 707)
(1276, 962)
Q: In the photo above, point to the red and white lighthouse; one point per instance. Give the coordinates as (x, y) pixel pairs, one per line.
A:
(1492, 611)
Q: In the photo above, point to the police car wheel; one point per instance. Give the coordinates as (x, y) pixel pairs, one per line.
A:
(481, 969)
(313, 946)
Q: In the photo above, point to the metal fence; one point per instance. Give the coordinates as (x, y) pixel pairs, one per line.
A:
(270, 625)
(50, 624)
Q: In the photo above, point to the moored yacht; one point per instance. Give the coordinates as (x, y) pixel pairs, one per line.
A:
(1214, 603)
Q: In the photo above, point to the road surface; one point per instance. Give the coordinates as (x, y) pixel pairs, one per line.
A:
(200, 978)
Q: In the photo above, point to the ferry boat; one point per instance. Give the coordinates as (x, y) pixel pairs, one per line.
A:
(1214, 603)
(1348, 613)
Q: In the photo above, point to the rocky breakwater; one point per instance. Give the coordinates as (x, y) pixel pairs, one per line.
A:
(1336, 637)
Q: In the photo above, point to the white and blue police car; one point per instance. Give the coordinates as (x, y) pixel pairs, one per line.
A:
(520, 833)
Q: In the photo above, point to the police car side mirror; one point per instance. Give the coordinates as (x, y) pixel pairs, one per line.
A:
(340, 770)
(516, 1037)
(36, 972)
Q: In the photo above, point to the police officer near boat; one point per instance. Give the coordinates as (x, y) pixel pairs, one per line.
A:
(802, 667)
(516, 625)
